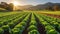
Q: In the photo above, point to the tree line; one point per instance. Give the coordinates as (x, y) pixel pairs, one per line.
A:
(53, 8)
(6, 6)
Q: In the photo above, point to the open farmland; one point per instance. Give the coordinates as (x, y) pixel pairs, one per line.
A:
(51, 12)
(55, 14)
(29, 23)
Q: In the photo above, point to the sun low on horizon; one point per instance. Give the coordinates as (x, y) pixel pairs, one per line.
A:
(16, 3)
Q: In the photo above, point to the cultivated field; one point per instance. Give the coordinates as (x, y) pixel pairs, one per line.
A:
(51, 12)
(55, 14)
(29, 23)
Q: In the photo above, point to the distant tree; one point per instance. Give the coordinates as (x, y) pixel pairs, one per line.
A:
(56, 7)
(7, 6)
(49, 8)
(11, 6)
(3, 5)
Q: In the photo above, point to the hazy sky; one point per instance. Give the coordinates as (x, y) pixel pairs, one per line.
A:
(31, 2)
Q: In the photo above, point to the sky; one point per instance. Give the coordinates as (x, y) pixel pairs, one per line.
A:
(31, 2)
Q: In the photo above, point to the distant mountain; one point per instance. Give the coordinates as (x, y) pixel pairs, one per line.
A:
(43, 6)
(25, 7)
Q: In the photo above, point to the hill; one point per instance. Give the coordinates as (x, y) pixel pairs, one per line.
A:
(24, 7)
(43, 6)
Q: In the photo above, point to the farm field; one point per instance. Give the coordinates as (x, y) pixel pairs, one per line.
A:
(51, 12)
(55, 14)
(29, 23)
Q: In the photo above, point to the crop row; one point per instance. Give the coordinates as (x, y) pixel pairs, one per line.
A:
(12, 21)
(29, 23)
(48, 27)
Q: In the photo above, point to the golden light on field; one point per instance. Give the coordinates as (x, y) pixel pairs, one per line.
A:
(15, 3)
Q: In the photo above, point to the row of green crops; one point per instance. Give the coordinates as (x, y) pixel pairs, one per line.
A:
(17, 23)
(48, 28)
(7, 13)
(10, 18)
(10, 21)
(19, 28)
(33, 26)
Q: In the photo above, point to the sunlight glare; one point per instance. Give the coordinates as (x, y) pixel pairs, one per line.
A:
(15, 3)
